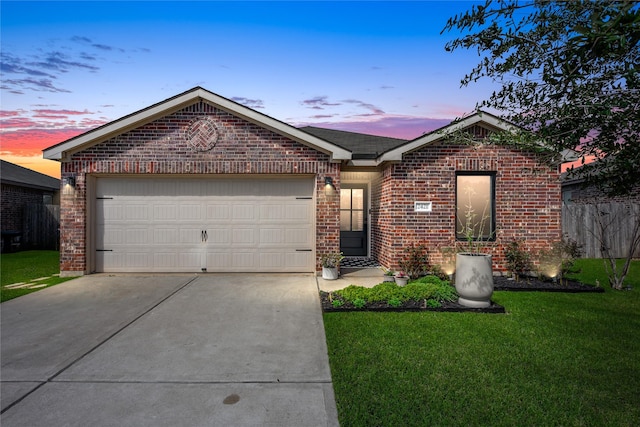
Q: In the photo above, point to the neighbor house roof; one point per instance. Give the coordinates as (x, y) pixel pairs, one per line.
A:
(13, 174)
(62, 150)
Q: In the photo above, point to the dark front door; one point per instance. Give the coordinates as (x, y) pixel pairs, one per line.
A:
(353, 219)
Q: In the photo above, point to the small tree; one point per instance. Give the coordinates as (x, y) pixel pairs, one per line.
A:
(560, 259)
(570, 78)
(415, 261)
(518, 259)
(606, 223)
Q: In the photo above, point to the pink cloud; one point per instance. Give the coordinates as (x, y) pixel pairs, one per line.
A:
(47, 112)
(30, 142)
(17, 122)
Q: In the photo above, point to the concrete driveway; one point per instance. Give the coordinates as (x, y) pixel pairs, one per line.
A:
(167, 350)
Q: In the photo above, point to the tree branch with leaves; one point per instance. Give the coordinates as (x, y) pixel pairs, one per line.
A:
(569, 75)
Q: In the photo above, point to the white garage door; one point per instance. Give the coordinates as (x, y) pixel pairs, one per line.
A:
(219, 224)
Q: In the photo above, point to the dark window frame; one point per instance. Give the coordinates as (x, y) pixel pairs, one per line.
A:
(491, 235)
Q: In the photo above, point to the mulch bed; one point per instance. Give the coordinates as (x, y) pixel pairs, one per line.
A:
(534, 284)
(500, 284)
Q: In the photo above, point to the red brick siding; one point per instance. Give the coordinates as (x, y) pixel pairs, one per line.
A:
(14, 198)
(160, 147)
(528, 201)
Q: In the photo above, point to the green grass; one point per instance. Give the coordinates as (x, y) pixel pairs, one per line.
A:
(591, 270)
(554, 359)
(24, 267)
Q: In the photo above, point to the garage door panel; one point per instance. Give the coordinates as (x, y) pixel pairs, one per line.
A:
(157, 224)
(218, 212)
(190, 235)
(271, 236)
(298, 236)
(243, 261)
(109, 212)
(298, 212)
(189, 260)
(166, 236)
(137, 236)
(273, 212)
(218, 236)
(165, 212)
(136, 212)
(243, 236)
(243, 212)
(189, 211)
(292, 261)
(130, 261)
(218, 260)
(114, 237)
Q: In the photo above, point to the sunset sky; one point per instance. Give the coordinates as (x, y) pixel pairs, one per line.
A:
(372, 67)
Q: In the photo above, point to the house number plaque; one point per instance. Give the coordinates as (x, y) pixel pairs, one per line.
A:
(422, 206)
(202, 134)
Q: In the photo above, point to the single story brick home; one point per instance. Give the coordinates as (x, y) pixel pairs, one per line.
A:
(200, 183)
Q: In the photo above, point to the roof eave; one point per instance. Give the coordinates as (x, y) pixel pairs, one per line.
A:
(63, 150)
(395, 155)
(29, 185)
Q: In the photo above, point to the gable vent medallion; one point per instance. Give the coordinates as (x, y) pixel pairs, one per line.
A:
(202, 134)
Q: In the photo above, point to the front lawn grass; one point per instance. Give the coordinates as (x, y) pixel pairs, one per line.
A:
(553, 359)
(24, 267)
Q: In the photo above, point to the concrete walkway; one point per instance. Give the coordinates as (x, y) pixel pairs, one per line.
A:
(167, 350)
(367, 277)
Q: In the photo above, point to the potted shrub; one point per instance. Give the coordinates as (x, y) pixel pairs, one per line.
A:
(474, 272)
(330, 263)
(401, 278)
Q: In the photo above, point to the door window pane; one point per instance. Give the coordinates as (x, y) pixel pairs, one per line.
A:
(357, 198)
(345, 220)
(352, 209)
(345, 198)
(357, 221)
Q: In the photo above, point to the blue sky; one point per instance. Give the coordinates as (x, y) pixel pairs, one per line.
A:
(377, 67)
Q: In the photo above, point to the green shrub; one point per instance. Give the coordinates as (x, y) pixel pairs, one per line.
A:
(359, 303)
(518, 259)
(415, 261)
(337, 303)
(352, 292)
(383, 292)
(394, 302)
(432, 280)
(428, 287)
(445, 292)
(432, 303)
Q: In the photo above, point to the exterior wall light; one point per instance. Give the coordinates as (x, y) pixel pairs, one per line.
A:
(69, 182)
(329, 188)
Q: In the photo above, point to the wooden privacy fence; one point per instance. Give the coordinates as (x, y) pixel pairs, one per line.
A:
(581, 222)
(41, 225)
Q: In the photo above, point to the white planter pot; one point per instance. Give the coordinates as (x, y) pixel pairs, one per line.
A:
(388, 279)
(402, 281)
(330, 273)
(474, 280)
